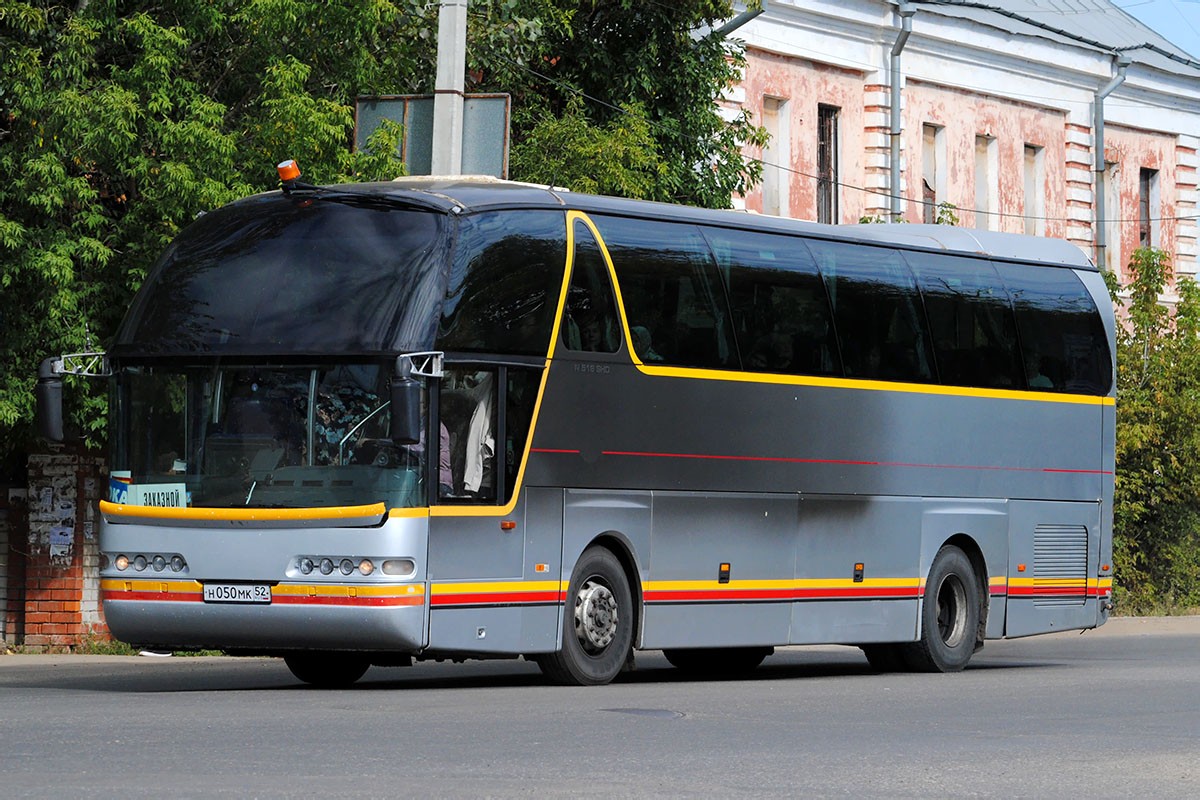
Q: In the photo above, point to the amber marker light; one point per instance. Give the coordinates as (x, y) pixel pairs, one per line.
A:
(288, 170)
(507, 525)
(1020, 567)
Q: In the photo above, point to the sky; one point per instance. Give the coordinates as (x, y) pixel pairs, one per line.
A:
(1176, 20)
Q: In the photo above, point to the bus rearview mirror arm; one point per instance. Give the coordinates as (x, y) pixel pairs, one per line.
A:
(404, 426)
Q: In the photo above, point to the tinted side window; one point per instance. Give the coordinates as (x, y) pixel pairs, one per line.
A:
(673, 298)
(877, 310)
(504, 282)
(589, 320)
(780, 312)
(1062, 336)
(971, 321)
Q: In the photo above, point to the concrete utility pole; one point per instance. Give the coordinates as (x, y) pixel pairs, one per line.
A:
(448, 93)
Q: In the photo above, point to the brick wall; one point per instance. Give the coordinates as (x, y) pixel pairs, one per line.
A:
(61, 603)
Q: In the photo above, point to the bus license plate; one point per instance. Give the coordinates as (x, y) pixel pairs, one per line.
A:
(237, 592)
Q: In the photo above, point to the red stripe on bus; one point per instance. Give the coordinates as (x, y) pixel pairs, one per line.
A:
(739, 458)
(189, 597)
(494, 598)
(840, 461)
(197, 597)
(325, 600)
(550, 450)
(779, 594)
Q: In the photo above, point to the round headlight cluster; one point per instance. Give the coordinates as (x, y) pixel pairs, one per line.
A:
(327, 565)
(156, 562)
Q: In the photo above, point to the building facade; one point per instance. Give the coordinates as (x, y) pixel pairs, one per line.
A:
(996, 120)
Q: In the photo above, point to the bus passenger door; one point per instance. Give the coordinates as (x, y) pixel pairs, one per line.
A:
(494, 550)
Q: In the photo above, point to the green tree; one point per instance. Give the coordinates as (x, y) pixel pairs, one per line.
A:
(120, 121)
(1156, 540)
(652, 74)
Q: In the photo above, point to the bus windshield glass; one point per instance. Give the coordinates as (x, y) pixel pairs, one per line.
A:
(267, 436)
(286, 276)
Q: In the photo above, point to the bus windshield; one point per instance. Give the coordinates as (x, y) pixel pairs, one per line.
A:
(260, 436)
(293, 276)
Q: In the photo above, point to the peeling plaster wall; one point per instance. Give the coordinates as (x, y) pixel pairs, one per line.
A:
(973, 78)
(964, 115)
(806, 85)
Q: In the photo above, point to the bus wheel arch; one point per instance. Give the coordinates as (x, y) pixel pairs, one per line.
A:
(974, 553)
(950, 613)
(620, 547)
(597, 622)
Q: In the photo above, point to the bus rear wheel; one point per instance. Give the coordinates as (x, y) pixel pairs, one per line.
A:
(949, 615)
(716, 661)
(327, 670)
(597, 623)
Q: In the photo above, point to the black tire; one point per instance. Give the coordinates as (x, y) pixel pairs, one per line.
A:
(885, 657)
(717, 661)
(597, 623)
(949, 615)
(327, 670)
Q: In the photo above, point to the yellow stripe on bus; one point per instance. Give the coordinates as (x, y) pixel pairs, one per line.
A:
(243, 514)
(342, 590)
(498, 587)
(787, 583)
(120, 585)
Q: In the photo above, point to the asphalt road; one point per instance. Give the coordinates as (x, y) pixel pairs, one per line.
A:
(1111, 713)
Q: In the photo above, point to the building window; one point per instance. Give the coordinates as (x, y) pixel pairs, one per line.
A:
(1147, 207)
(986, 190)
(1035, 190)
(777, 157)
(933, 181)
(827, 164)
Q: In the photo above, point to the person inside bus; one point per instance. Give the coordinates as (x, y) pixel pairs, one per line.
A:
(1033, 371)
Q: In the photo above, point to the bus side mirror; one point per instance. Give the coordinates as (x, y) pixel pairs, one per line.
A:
(405, 424)
(49, 402)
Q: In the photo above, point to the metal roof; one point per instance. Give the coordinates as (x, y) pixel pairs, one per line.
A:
(470, 194)
(1099, 24)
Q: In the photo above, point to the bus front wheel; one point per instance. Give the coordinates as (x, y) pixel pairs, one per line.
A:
(327, 670)
(597, 623)
(949, 615)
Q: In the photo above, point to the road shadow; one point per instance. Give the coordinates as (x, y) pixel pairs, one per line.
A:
(136, 676)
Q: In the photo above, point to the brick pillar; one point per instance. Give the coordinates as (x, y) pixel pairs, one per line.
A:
(62, 560)
(877, 144)
(1185, 256)
(1080, 192)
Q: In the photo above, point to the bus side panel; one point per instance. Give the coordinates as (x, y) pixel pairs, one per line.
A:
(1054, 549)
(694, 534)
(984, 522)
(623, 516)
(836, 534)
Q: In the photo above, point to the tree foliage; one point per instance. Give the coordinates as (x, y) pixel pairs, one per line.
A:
(1156, 540)
(120, 121)
(636, 70)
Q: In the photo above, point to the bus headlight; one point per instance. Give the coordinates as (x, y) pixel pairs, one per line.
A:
(366, 566)
(326, 566)
(306, 566)
(399, 566)
(122, 562)
(347, 566)
(159, 563)
(139, 562)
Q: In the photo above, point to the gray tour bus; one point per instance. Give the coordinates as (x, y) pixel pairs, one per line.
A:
(356, 425)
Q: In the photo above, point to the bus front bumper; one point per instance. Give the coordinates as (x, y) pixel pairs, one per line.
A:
(175, 615)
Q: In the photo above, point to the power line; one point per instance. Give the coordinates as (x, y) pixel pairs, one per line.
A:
(878, 192)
